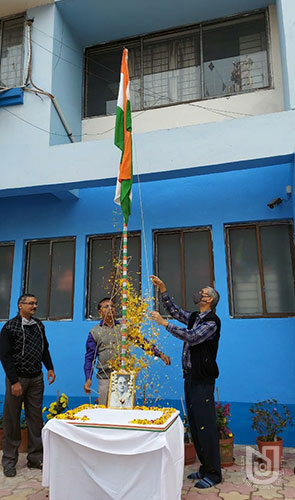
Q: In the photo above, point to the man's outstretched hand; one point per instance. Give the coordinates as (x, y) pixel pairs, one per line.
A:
(158, 283)
(158, 318)
(165, 359)
(87, 386)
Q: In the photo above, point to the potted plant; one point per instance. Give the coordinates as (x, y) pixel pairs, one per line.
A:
(189, 448)
(226, 439)
(268, 421)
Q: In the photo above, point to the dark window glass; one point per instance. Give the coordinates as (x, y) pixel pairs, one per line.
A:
(245, 271)
(11, 52)
(6, 264)
(50, 276)
(261, 263)
(184, 261)
(235, 57)
(103, 254)
(165, 68)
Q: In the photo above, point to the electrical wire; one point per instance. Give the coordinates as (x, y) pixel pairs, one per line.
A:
(223, 112)
(37, 90)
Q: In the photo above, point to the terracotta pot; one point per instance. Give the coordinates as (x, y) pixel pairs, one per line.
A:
(189, 453)
(24, 440)
(226, 447)
(272, 453)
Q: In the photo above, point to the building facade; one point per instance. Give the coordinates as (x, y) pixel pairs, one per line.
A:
(212, 94)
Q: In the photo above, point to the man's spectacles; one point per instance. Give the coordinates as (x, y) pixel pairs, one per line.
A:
(30, 303)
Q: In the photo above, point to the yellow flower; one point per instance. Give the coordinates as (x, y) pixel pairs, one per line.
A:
(230, 435)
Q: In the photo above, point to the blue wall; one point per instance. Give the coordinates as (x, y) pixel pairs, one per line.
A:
(256, 356)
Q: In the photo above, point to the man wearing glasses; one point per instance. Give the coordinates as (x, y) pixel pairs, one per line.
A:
(200, 370)
(23, 349)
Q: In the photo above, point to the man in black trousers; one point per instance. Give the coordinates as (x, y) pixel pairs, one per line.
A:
(200, 370)
(23, 349)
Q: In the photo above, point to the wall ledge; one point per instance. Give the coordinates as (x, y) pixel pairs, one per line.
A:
(11, 97)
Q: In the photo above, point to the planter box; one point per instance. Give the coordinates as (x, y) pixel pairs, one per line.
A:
(189, 453)
(226, 447)
(272, 453)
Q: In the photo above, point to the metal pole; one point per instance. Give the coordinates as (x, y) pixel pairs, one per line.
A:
(124, 298)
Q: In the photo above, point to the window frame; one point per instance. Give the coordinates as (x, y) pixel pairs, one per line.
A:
(256, 226)
(113, 237)
(9, 244)
(2, 21)
(181, 31)
(27, 266)
(180, 232)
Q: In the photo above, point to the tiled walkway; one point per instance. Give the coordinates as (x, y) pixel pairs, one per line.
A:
(27, 484)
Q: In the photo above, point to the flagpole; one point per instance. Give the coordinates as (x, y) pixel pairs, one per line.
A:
(124, 298)
(123, 140)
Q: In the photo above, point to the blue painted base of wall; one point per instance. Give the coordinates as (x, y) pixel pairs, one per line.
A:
(240, 423)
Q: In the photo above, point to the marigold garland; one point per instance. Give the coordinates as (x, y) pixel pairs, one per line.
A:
(166, 414)
(70, 414)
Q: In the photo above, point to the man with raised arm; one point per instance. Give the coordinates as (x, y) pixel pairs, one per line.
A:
(200, 337)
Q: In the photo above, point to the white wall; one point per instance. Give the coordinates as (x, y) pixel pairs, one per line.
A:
(182, 115)
(21, 124)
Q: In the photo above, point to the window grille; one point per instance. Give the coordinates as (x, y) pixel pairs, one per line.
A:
(184, 65)
(11, 52)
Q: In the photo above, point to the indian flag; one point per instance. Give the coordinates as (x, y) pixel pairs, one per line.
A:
(123, 140)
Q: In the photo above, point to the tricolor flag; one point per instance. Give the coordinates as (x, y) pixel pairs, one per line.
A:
(123, 140)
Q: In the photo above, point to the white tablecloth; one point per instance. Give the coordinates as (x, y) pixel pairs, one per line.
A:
(93, 463)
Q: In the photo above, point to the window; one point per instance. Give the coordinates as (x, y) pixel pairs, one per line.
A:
(11, 52)
(182, 65)
(6, 264)
(103, 252)
(261, 270)
(184, 261)
(49, 275)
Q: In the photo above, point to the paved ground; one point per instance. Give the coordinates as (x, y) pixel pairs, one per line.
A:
(27, 484)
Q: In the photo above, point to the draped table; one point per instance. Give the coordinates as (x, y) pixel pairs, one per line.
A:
(108, 458)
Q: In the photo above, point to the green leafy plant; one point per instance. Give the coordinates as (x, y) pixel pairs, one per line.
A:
(268, 421)
(57, 407)
(222, 420)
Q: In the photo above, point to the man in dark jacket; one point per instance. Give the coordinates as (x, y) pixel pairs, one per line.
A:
(200, 370)
(23, 349)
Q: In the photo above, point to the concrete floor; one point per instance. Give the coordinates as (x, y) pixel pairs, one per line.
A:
(27, 484)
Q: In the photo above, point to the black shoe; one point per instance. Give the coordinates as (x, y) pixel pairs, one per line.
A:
(9, 471)
(195, 475)
(205, 483)
(31, 465)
